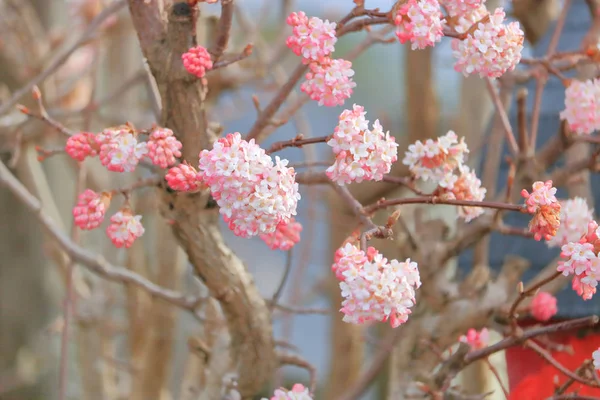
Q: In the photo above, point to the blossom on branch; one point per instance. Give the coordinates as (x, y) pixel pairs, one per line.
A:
(284, 237)
(329, 83)
(466, 187)
(420, 22)
(90, 209)
(477, 340)
(298, 392)
(120, 150)
(543, 306)
(254, 193)
(582, 106)
(183, 178)
(582, 261)
(373, 288)
(461, 7)
(163, 147)
(490, 48)
(574, 218)
(361, 154)
(197, 61)
(124, 228)
(82, 145)
(544, 206)
(313, 39)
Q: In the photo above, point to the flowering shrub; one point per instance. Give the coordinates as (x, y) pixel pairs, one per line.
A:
(257, 193)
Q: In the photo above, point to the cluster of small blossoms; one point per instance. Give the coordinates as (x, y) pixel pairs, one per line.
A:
(466, 187)
(477, 340)
(596, 358)
(120, 151)
(361, 154)
(284, 237)
(461, 7)
(197, 61)
(582, 261)
(544, 206)
(543, 306)
(490, 47)
(574, 218)
(298, 392)
(442, 162)
(582, 106)
(255, 194)
(420, 22)
(313, 39)
(124, 228)
(91, 209)
(373, 288)
(329, 81)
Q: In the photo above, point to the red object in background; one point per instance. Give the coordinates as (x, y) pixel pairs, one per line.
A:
(532, 378)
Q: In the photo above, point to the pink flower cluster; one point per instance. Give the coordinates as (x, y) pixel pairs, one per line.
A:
(461, 7)
(91, 209)
(582, 261)
(298, 392)
(544, 206)
(313, 39)
(442, 162)
(582, 106)
(477, 340)
(284, 237)
(329, 81)
(361, 154)
(197, 61)
(543, 306)
(419, 21)
(124, 228)
(120, 151)
(575, 215)
(490, 48)
(373, 288)
(254, 194)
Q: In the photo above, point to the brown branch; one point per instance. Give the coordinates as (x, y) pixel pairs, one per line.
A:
(62, 56)
(510, 136)
(223, 30)
(436, 200)
(91, 261)
(297, 361)
(298, 141)
(523, 294)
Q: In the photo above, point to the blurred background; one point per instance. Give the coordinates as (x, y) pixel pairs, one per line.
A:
(105, 83)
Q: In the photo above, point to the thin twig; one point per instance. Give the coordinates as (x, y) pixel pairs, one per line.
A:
(286, 274)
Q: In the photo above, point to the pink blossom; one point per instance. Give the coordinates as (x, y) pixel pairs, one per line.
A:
(575, 215)
(197, 61)
(163, 147)
(183, 178)
(419, 21)
(124, 228)
(284, 237)
(477, 340)
(582, 106)
(330, 83)
(254, 193)
(543, 204)
(461, 7)
(119, 149)
(298, 392)
(581, 260)
(82, 145)
(373, 288)
(466, 187)
(491, 49)
(361, 153)
(543, 306)
(313, 39)
(90, 209)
